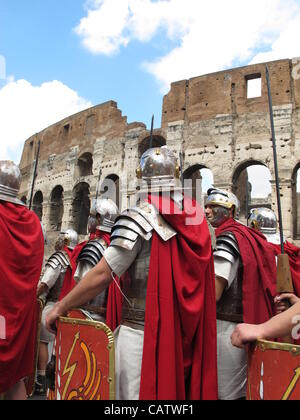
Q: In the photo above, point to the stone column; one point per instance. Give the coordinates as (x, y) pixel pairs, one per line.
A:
(67, 221)
(46, 215)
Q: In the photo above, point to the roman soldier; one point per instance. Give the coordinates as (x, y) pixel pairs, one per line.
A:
(265, 221)
(107, 306)
(21, 259)
(245, 271)
(58, 270)
(166, 343)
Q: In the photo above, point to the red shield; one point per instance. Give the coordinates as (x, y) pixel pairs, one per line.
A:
(273, 371)
(84, 359)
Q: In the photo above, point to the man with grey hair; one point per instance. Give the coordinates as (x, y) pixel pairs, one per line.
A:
(245, 286)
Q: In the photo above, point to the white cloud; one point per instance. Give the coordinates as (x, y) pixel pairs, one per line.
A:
(285, 46)
(26, 110)
(210, 36)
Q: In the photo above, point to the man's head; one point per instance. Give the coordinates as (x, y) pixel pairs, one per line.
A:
(10, 182)
(264, 220)
(68, 238)
(159, 170)
(103, 214)
(220, 206)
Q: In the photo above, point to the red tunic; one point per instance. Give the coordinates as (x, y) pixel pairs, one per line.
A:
(21, 259)
(259, 271)
(180, 351)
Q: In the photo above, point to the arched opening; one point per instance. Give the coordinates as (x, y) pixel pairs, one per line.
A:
(56, 208)
(81, 207)
(197, 180)
(296, 202)
(110, 188)
(252, 186)
(38, 204)
(85, 165)
(157, 141)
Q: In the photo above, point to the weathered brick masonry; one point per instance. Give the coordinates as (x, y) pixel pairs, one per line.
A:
(209, 119)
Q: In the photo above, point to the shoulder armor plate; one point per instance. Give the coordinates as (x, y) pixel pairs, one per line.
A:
(58, 258)
(227, 243)
(127, 229)
(92, 252)
(158, 223)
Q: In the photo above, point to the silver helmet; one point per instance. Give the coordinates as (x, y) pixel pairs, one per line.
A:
(10, 182)
(69, 237)
(108, 211)
(263, 219)
(159, 170)
(222, 201)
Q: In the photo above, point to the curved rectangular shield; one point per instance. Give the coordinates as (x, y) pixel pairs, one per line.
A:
(273, 371)
(85, 359)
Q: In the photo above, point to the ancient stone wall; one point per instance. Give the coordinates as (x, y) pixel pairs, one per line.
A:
(209, 120)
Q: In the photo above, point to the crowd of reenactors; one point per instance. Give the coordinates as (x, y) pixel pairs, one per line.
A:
(183, 289)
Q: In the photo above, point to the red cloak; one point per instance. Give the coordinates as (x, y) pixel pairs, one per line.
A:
(180, 349)
(293, 253)
(259, 271)
(21, 259)
(114, 299)
(69, 282)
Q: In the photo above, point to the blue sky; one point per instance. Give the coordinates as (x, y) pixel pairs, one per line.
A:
(58, 57)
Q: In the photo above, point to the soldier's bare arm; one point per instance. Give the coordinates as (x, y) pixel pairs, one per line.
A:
(221, 285)
(93, 283)
(278, 326)
(284, 301)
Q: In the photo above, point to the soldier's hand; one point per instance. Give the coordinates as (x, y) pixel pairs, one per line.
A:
(282, 302)
(245, 334)
(52, 318)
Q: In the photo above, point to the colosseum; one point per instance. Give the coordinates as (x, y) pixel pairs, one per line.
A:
(210, 120)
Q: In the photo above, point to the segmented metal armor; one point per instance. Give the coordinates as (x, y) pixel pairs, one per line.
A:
(133, 224)
(58, 259)
(230, 306)
(89, 257)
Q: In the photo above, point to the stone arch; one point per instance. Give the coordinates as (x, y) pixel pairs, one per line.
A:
(110, 188)
(56, 208)
(157, 141)
(296, 201)
(38, 204)
(243, 188)
(81, 207)
(84, 166)
(194, 182)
